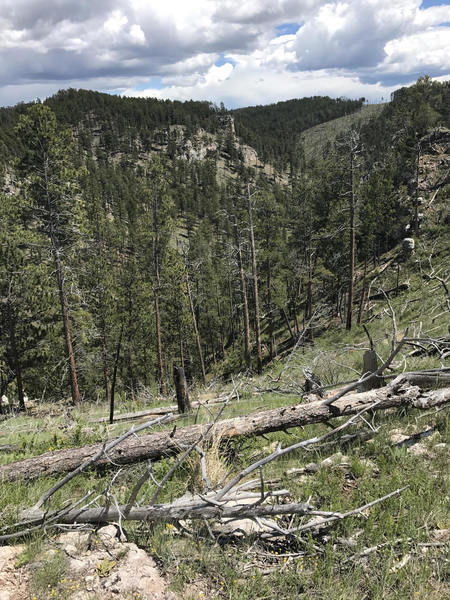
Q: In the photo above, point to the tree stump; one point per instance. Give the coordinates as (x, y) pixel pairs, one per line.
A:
(370, 365)
(179, 378)
(313, 385)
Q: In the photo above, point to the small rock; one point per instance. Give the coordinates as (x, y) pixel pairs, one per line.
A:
(417, 450)
(108, 537)
(70, 550)
(398, 438)
(440, 446)
(440, 535)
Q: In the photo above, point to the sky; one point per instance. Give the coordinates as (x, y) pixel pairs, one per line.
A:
(239, 52)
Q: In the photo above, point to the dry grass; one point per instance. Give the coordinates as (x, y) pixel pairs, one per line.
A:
(215, 465)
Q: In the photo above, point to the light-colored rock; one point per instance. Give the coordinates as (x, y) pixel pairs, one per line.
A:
(112, 568)
(417, 450)
(440, 446)
(13, 580)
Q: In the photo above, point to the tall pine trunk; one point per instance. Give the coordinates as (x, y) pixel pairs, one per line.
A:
(247, 340)
(255, 282)
(66, 327)
(15, 358)
(353, 147)
(194, 322)
(162, 382)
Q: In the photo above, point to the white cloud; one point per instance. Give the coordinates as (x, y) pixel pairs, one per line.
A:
(341, 47)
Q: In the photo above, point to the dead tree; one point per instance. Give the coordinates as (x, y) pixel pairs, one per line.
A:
(255, 281)
(370, 365)
(247, 341)
(181, 389)
(226, 502)
(194, 323)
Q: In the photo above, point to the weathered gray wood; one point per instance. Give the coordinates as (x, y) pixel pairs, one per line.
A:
(167, 443)
(168, 512)
(370, 365)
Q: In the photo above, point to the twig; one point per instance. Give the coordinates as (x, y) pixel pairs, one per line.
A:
(87, 463)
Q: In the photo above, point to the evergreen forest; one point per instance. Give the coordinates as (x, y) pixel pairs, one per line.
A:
(280, 272)
(138, 233)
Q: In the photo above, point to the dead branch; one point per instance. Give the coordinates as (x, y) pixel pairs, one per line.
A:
(377, 373)
(205, 510)
(104, 451)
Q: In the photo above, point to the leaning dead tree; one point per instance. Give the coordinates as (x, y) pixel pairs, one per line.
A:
(153, 446)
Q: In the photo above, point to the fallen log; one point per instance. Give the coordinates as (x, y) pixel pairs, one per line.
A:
(198, 510)
(402, 287)
(154, 446)
(155, 411)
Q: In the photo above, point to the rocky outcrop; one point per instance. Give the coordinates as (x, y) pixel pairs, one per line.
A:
(434, 164)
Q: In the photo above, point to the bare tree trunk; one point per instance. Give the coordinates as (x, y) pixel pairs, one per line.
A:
(363, 295)
(269, 310)
(308, 309)
(283, 312)
(181, 352)
(106, 379)
(194, 322)
(351, 250)
(247, 341)
(66, 326)
(415, 227)
(114, 378)
(15, 359)
(162, 383)
(255, 282)
(181, 389)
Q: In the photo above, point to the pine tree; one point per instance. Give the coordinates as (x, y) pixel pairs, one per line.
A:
(50, 182)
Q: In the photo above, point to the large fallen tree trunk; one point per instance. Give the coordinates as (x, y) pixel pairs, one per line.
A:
(154, 446)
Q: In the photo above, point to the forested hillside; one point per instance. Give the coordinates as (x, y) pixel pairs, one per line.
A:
(137, 234)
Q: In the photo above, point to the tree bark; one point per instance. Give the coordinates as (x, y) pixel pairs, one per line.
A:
(179, 377)
(114, 378)
(370, 365)
(168, 512)
(351, 249)
(15, 358)
(197, 334)
(247, 341)
(255, 282)
(66, 326)
(162, 382)
(162, 444)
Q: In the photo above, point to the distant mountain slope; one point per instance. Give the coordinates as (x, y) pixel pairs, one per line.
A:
(118, 122)
(316, 138)
(275, 129)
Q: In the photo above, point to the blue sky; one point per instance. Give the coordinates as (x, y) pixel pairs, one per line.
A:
(230, 51)
(428, 3)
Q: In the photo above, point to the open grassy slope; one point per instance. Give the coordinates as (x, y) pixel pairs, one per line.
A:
(316, 138)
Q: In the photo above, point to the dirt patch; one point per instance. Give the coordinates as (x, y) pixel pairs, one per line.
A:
(13, 581)
(98, 565)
